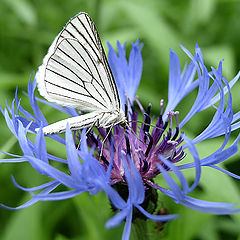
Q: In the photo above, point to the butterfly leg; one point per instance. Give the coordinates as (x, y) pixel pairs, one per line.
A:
(104, 140)
(88, 131)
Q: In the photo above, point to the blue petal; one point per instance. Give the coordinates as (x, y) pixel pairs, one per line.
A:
(23, 141)
(209, 207)
(109, 170)
(180, 84)
(135, 184)
(205, 93)
(50, 171)
(13, 160)
(177, 172)
(138, 182)
(216, 98)
(127, 227)
(39, 116)
(72, 156)
(40, 146)
(10, 123)
(114, 196)
(127, 75)
(21, 109)
(179, 196)
(45, 185)
(227, 172)
(32, 201)
(135, 69)
(220, 156)
(197, 163)
(158, 218)
(59, 195)
(222, 119)
(201, 205)
(118, 218)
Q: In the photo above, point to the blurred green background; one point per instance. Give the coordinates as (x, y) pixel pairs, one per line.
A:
(27, 28)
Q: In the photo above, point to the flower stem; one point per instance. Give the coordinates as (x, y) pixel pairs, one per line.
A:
(139, 229)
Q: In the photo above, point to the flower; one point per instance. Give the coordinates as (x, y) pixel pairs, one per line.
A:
(124, 162)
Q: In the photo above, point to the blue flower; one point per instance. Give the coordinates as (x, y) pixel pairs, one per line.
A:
(125, 165)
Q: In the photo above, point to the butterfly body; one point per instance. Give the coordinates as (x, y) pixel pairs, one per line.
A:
(75, 73)
(97, 119)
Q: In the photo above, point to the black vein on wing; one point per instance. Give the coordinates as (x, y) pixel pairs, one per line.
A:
(92, 76)
(92, 60)
(99, 48)
(83, 38)
(67, 89)
(63, 76)
(89, 72)
(96, 68)
(51, 58)
(94, 42)
(108, 70)
(68, 97)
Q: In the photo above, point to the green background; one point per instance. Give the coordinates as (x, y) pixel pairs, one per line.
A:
(27, 28)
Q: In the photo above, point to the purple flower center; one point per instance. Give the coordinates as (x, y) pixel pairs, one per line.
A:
(143, 142)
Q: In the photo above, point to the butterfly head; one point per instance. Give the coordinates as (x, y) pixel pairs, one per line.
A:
(121, 119)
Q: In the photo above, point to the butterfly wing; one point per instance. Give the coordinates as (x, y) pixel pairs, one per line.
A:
(75, 72)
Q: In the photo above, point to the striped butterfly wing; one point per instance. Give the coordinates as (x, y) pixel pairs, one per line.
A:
(75, 72)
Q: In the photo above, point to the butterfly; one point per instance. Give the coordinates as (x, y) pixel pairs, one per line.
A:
(75, 73)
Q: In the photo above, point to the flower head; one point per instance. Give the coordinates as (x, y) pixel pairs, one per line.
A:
(125, 162)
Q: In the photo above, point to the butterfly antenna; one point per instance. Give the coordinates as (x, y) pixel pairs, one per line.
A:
(148, 124)
(128, 126)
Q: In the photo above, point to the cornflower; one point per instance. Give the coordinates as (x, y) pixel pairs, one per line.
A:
(126, 165)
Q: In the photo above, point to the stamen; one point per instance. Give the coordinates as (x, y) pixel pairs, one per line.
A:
(103, 158)
(75, 137)
(169, 134)
(160, 121)
(126, 111)
(147, 121)
(127, 144)
(176, 134)
(139, 105)
(93, 139)
(150, 125)
(177, 127)
(161, 105)
(149, 108)
(170, 114)
(150, 144)
(173, 153)
(145, 165)
(166, 122)
(174, 143)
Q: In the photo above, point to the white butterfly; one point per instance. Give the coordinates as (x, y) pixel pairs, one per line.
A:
(75, 73)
